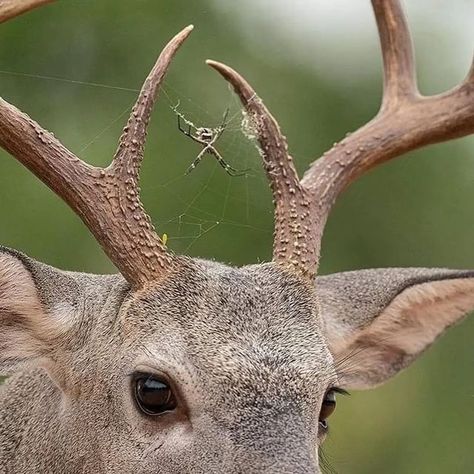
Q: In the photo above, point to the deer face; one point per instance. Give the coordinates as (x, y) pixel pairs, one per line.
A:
(243, 356)
(246, 360)
(215, 369)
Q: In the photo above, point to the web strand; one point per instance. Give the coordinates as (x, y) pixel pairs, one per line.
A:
(194, 221)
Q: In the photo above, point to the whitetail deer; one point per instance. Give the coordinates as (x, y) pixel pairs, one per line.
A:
(181, 365)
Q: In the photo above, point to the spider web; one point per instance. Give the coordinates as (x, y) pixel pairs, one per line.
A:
(195, 211)
(221, 204)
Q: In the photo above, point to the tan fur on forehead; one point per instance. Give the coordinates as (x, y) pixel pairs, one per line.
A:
(253, 326)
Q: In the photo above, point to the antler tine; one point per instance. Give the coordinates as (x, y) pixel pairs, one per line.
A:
(470, 75)
(107, 200)
(123, 177)
(259, 121)
(11, 8)
(131, 144)
(291, 201)
(397, 53)
(406, 121)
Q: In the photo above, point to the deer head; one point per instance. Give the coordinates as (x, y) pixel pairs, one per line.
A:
(181, 365)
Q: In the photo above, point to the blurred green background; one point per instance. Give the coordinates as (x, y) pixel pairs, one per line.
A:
(317, 66)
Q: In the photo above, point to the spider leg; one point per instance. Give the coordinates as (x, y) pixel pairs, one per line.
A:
(207, 143)
(188, 132)
(227, 168)
(219, 132)
(224, 119)
(181, 129)
(197, 160)
(221, 128)
(182, 118)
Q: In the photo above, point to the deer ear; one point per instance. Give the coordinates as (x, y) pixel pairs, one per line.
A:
(377, 322)
(38, 308)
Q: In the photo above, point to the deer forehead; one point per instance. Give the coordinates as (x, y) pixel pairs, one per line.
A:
(252, 327)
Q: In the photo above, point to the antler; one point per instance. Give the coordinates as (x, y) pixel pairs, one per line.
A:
(12, 8)
(406, 121)
(107, 200)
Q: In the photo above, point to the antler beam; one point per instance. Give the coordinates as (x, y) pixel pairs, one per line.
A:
(107, 200)
(406, 121)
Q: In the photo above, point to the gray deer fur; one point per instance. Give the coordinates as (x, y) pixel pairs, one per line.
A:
(248, 350)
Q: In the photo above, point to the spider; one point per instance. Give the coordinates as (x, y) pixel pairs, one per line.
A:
(206, 137)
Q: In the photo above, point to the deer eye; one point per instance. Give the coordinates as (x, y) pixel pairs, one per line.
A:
(153, 395)
(327, 408)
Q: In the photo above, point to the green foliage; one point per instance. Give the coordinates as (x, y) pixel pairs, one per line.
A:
(416, 211)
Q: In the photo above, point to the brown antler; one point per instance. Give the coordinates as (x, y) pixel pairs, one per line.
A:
(107, 200)
(406, 121)
(12, 8)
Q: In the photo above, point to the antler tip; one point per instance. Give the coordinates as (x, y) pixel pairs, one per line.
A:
(183, 34)
(223, 69)
(217, 65)
(240, 85)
